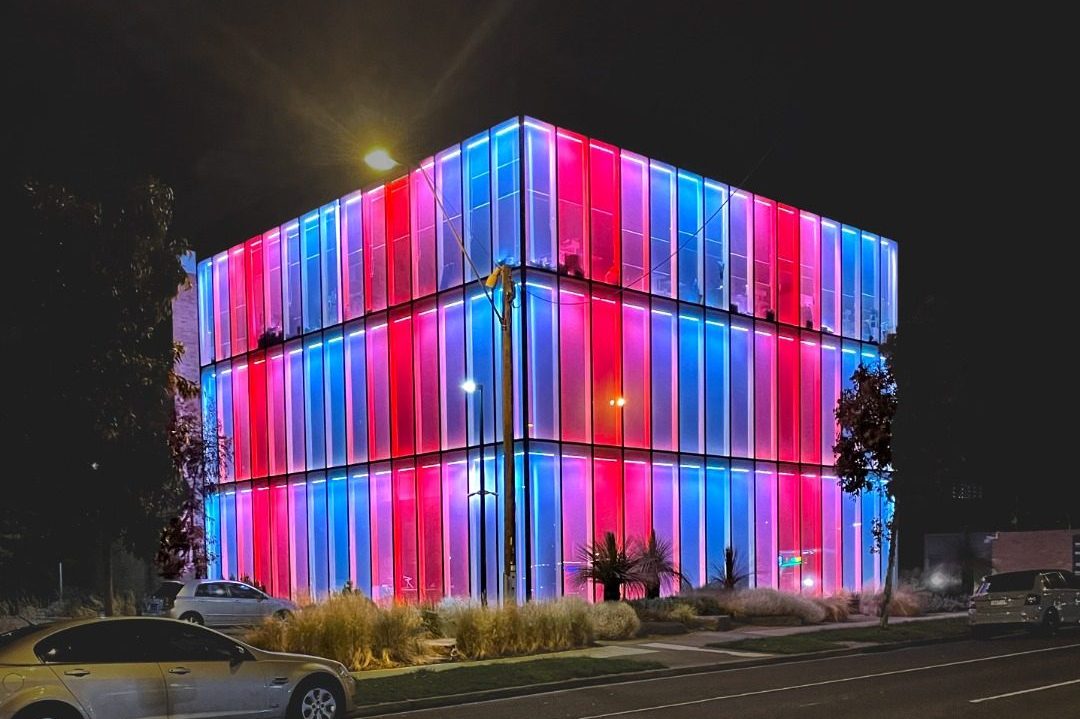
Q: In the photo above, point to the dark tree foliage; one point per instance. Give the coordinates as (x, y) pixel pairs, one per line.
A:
(864, 457)
(90, 399)
(608, 564)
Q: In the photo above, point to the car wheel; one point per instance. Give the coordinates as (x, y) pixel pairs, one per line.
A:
(283, 615)
(317, 698)
(1051, 622)
(193, 617)
(48, 710)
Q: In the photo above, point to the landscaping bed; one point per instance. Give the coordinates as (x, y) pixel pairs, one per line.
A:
(842, 638)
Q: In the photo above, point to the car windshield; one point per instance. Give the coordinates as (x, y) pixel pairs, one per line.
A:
(10, 636)
(1010, 582)
(168, 590)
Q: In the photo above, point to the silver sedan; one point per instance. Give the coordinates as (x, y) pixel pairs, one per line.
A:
(215, 603)
(138, 668)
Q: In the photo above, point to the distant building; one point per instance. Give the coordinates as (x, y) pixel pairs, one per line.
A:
(679, 347)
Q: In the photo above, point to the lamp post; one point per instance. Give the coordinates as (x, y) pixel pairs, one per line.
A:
(472, 387)
(380, 160)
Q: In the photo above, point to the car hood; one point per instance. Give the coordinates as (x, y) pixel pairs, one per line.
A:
(289, 657)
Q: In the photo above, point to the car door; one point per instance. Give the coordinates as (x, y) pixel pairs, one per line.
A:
(106, 667)
(1072, 598)
(213, 602)
(209, 675)
(248, 603)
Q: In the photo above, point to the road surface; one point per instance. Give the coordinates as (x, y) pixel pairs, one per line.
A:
(1012, 676)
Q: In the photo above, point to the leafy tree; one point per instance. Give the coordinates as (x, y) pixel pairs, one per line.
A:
(864, 459)
(607, 564)
(655, 564)
(87, 317)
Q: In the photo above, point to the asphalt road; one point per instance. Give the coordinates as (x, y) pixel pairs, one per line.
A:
(1012, 676)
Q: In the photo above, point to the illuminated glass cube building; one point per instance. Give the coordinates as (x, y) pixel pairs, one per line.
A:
(678, 349)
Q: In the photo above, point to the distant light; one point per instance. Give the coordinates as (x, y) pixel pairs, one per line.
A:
(379, 159)
(469, 386)
(808, 582)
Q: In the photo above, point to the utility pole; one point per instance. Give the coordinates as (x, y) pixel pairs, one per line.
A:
(509, 486)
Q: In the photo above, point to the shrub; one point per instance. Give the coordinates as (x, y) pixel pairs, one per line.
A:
(837, 607)
(351, 629)
(906, 602)
(485, 632)
(765, 602)
(614, 620)
(682, 613)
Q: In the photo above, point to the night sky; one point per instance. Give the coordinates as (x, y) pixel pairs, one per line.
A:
(929, 126)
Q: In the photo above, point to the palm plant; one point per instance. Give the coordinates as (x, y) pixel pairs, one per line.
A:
(730, 575)
(655, 565)
(607, 564)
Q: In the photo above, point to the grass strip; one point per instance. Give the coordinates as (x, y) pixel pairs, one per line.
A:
(426, 683)
(835, 638)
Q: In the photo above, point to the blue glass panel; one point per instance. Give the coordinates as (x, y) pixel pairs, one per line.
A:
(717, 515)
(691, 380)
(849, 282)
(338, 535)
(330, 238)
(716, 244)
(690, 238)
(546, 520)
(448, 229)
(208, 397)
(540, 194)
(310, 271)
(850, 537)
(294, 318)
(692, 523)
(889, 268)
(666, 508)
(360, 529)
(506, 159)
(491, 512)
(336, 449)
(871, 558)
(480, 362)
(205, 280)
(478, 205)
(543, 348)
(868, 282)
(318, 544)
(314, 403)
(849, 362)
(212, 512)
(742, 516)
(298, 539)
(717, 385)
(225, 416)
(662, 242)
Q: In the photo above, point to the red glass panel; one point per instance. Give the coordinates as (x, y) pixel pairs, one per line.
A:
(257, 408)
(810, 399)
(608, 494)
(788, 537)
(574, 362)
(810, 526)
(764, 257)
(238, 320)
(405, 557)
(374, 234)
(256, 309)
(604, 212)
(260, 523)
(426, 354)
(423, 229)
(608, 401)
(275, 410)
(573, 230)
(241, 422)
(400, 241)
(279, 538)
(430, 529)
(401, 382)
(636, 373)
(787, 263)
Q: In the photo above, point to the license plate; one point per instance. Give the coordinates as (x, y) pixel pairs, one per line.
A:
(998, 602)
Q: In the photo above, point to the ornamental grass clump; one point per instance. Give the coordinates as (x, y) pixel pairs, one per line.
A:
(351, 629)
(510, 630)
(765, 602)
(614, 620)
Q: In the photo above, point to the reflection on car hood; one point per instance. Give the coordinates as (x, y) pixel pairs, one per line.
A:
(287, 657)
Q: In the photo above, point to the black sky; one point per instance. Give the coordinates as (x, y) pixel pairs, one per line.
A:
(926, 124)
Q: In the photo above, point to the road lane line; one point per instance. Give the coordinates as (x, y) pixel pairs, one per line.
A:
(1024, 691)
(827, 682)
(686, 648)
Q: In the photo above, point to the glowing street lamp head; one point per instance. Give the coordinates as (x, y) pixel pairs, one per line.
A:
(617, 402)
(379, 159)
(469, 386)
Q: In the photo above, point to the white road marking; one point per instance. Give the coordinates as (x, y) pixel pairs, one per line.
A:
(1024, 691)
(827, 682)
(685, 648)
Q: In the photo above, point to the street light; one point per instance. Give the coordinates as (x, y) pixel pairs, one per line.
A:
(379, 159)
(472, 387)
(617, 402)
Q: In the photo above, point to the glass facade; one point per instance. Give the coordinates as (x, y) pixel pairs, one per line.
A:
(678, 349)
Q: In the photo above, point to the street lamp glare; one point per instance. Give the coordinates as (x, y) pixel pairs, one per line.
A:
(469, 386)
(379, 159)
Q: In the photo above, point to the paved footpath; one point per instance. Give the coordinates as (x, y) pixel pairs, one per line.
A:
(1011, 676)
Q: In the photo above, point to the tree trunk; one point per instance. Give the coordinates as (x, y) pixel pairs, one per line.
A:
(107, 574)
(652, 591)
(611, 591)
(886, 596)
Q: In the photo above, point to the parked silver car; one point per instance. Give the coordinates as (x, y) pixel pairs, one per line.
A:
(215, 603)
(138, 668)
(1036, 598)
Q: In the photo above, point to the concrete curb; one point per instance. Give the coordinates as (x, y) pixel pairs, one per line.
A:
(541, 688)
